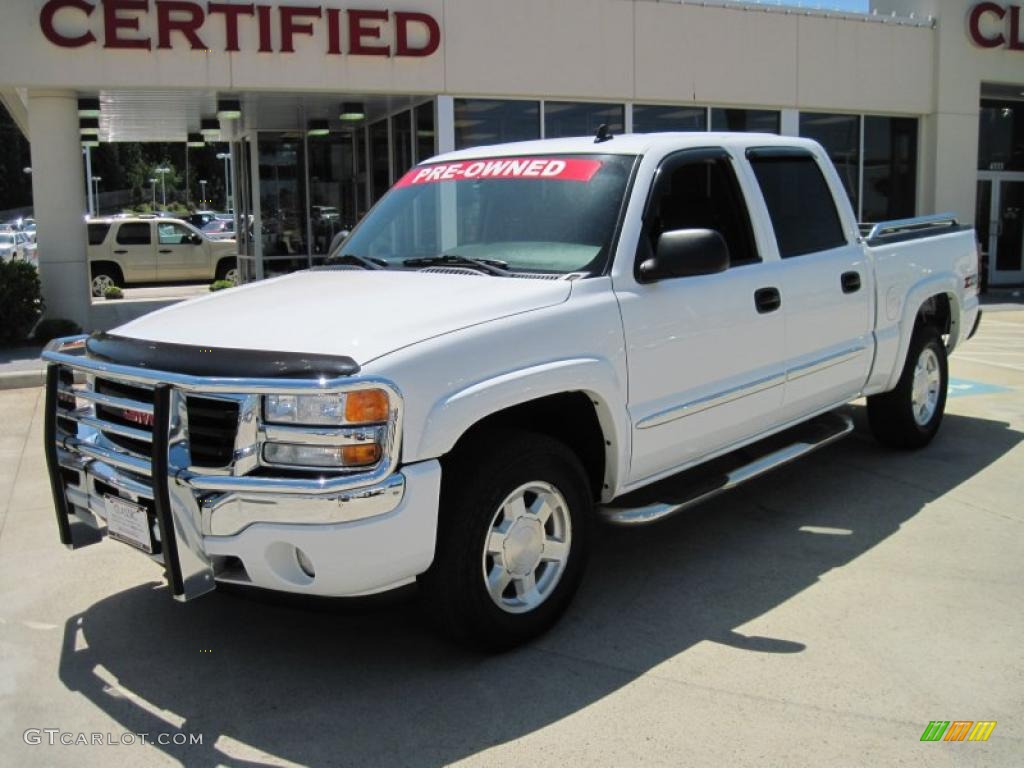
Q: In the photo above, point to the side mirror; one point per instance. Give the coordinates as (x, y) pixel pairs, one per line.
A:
(686, 253)
(196, 239)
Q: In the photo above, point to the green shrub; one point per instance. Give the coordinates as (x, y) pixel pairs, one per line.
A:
(220, 285)
(21, 301)
(113, 292)
(54, 328)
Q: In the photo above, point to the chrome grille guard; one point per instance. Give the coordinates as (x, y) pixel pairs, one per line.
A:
(164, 476)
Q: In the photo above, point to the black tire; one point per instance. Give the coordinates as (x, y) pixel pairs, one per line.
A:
(891, 414)
(224, 266)
(477, 479)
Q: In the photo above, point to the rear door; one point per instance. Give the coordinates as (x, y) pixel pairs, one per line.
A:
(179, 257)
(705, 353)
(826, 280)
(133, 248)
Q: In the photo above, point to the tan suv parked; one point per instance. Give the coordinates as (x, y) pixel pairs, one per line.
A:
(155, 250)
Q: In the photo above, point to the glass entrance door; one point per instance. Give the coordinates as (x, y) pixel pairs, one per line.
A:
(1002, 230)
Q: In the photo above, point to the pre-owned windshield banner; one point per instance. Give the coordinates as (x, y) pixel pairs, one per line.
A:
(549, 168)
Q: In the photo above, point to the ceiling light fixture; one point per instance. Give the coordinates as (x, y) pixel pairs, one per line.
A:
(229, 109)
(352, 110)
(88, 107)
(209, 126)
(317, 128)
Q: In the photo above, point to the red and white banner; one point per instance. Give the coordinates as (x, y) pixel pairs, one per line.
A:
(550, 168)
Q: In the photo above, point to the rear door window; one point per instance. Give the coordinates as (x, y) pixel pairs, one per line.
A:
(98, 233)
(134, 234)
(799, 201)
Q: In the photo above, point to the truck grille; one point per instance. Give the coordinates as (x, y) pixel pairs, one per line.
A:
(211, 430)
(124, 416)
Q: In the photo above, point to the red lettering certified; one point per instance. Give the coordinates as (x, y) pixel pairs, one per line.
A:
(551, 168)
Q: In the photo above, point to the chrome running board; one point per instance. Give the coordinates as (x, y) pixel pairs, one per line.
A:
(687, 489)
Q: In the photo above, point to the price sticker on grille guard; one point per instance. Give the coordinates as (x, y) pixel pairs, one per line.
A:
(537, 168)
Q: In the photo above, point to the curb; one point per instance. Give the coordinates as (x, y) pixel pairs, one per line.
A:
(22, 379)
(25, 379)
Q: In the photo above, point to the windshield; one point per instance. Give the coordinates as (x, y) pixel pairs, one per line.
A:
(538, 214)
(6, 239)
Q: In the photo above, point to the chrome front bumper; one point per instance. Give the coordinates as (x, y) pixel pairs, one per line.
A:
(189, 511)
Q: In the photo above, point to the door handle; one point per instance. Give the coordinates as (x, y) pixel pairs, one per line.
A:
(120, 253)
(767, 300)
(164, 250)
(850, 282)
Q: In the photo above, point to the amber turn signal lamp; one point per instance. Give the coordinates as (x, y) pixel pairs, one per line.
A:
(366, 406)
(360, 455)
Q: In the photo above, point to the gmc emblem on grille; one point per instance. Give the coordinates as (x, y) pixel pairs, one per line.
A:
(138, 417)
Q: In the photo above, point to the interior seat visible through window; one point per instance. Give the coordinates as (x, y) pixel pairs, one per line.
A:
(698, 191)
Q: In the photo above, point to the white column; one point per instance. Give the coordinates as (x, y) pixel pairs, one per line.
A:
(789, 123)
(444, 124)
(59, 202)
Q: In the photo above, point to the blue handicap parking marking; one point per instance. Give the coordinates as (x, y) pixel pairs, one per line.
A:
(965, 387)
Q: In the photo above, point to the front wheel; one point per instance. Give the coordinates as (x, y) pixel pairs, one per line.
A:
(512, 539)
(909, 416)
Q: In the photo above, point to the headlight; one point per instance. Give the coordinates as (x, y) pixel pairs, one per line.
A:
(321, 455)
(364, 406)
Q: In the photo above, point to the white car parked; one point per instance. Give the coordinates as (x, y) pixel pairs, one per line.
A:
(517, 342)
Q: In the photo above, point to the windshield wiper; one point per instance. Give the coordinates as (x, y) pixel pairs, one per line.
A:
(490, 266)
(350, 258)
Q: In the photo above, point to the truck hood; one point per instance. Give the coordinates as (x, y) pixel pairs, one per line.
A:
(360, 314)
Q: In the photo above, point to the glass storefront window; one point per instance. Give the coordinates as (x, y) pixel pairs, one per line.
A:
(653, 119)
(1001, 136)
(401, 143)
(840, 136)
(746, 120)
(890, 168)
(479, 122)
(332, 189)
(424, 118)
(379, 156)
(282, 199)
(573, 118)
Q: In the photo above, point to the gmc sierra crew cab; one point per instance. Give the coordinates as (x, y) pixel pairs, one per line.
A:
(517, 342)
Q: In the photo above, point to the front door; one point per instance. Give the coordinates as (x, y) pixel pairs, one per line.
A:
(179, 256)
(705, 352)
(1001, 225)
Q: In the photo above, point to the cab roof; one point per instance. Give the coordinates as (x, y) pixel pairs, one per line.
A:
(629, 144)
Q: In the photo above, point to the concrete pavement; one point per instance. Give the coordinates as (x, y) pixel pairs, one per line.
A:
(822, 615)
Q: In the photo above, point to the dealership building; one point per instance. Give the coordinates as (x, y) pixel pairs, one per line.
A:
(920, 103)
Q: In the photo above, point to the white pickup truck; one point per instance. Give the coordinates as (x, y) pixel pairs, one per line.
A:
(518, 341)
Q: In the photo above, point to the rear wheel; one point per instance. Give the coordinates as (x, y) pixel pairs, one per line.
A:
(102, 279)
(512, 539)
(909, 416)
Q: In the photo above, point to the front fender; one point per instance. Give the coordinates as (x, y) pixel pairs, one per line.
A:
(451, 416)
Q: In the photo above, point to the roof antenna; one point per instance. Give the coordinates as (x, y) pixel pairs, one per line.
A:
(603, 134)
